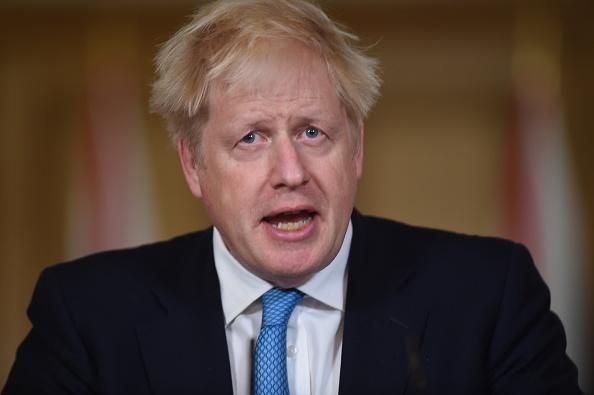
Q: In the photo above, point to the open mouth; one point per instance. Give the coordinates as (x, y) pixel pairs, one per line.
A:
(292, 220)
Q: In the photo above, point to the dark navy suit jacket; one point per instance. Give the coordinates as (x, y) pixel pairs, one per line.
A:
(427, 312)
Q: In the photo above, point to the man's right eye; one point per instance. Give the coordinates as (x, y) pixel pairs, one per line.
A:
(249, 138)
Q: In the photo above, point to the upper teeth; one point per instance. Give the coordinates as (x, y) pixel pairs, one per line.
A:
(292, 225)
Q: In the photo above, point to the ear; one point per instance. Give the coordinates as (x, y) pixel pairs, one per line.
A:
(359, 153)
(189, 167)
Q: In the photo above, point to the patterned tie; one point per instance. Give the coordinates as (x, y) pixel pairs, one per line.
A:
(270, 361)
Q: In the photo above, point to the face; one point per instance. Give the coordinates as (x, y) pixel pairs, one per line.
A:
(280, 167)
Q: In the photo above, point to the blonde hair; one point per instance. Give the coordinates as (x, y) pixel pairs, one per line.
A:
(223, 38)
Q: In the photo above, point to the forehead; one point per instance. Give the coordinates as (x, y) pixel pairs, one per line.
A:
(283, 70)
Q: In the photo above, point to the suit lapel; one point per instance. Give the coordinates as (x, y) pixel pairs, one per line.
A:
(380, 316)
(184, 351)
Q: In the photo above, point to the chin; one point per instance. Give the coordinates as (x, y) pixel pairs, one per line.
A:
(293, 274)
(289, 281)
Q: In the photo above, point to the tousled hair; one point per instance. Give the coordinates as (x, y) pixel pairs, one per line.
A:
(223, 39)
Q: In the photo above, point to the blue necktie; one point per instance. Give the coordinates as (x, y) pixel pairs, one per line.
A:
(270, 361)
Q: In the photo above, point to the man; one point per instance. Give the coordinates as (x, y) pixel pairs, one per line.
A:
(266, 101)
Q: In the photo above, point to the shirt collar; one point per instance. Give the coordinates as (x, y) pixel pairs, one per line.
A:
(240, 288)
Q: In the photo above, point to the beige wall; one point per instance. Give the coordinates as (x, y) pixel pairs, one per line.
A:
(434, 151)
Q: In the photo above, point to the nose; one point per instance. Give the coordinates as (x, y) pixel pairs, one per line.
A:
(287, 165)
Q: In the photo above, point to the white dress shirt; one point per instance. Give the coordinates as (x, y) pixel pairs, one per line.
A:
(314, 334)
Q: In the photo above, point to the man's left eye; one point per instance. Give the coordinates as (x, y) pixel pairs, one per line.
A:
(311, 132)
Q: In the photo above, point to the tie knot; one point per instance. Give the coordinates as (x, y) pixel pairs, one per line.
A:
(278, 305)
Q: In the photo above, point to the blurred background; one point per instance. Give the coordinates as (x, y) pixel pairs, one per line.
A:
(485, 126)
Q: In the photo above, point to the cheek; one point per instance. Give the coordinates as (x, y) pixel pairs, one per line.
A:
(338, 184)
(228, 193)
(345, 167)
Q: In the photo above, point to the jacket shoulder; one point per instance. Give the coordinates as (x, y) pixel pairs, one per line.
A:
(391, 251)
(110, 277)
(152, 257)
(394, 235)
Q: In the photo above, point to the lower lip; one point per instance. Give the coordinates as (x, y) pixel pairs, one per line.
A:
(292, 235)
